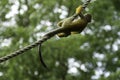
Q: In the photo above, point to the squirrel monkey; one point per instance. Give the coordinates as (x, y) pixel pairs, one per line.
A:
(71, 26)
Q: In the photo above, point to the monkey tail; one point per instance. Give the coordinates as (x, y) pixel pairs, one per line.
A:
(41, 58)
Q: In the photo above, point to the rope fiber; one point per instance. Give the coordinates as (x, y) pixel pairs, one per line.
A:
(86, 4)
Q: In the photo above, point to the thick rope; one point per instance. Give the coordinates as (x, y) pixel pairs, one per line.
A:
(16, 53)
(86, 4)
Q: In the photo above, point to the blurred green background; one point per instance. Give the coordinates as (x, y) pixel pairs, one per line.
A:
(92, 55)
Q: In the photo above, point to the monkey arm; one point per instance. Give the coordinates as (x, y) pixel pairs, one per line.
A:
(79, 11)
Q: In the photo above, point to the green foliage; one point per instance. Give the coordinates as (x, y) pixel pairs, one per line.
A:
(96, 50)
(4, 9)
(116, 4)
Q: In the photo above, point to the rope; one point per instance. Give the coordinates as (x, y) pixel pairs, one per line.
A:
(86, 4)
(16, 53)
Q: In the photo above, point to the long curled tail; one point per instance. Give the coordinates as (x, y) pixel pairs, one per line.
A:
(40, 55)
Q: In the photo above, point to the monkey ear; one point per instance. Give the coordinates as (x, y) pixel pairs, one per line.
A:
(88, 17)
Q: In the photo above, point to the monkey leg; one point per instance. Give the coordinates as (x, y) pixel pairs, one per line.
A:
(63, 34)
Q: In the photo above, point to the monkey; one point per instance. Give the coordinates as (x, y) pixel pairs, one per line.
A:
(68, 26)
(71, 26)
(74, 24)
